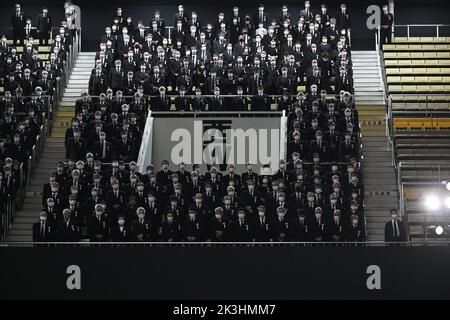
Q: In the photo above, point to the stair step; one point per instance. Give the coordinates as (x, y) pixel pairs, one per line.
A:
(25, 220)
(21, 226)
(18, 238)
(18, 232)
(375, 237)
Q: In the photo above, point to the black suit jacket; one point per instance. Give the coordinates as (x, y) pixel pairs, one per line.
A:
(49, 232)
(389, 232)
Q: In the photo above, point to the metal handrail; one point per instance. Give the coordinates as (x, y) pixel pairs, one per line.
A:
(227, 244)
(408, 26)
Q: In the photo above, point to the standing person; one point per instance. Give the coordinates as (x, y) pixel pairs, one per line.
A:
(44, 26)
(18, 24)
(394, 229)
(43, 231)
(387, 20)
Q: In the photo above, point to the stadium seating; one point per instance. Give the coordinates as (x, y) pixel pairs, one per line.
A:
(418, 80)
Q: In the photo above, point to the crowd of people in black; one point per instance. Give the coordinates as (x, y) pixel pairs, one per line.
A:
(251, 56)
(29, 83)
(316, 195)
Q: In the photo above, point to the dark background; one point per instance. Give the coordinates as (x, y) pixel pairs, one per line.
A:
(96, 15)
(225, 273)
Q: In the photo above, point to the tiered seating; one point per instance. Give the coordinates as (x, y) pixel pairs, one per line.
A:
(418, 78)
(44, 55)
(418, 73)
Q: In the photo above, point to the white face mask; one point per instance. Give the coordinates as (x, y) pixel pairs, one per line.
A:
(169, 219)
(261, 213)
(141, 215)
(318, 215)
(218, 216)
(354, 208)
(241, 215)
(192, 215)
(43, 218)
(121, 222)
(98, 213)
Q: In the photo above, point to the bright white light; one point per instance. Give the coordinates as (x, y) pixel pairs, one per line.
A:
(447, 202)
(439, 230)
(432, 202)
(448, 186)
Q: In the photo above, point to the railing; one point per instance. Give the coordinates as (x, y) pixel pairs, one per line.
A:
(7, 211)
(228, 244)
(408, 27)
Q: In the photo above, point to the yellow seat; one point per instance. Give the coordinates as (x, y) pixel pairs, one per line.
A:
(416, 55)
(399, 39)
(403, 62)
(389, 47)
(406, 70)
(446, 79)
(414, 39)
(441, 47)
(391, 62)
(428, 47)
(443, 54)
(435, 79)
(404, 55)
(444, 62)
(407, 79)
(428, 55)
(395, 88)
(390, 55)
(392, 71)
(423, 88)
(410, 88)
(421, 79)
(391, 79)
(415, 47)
(437, 88)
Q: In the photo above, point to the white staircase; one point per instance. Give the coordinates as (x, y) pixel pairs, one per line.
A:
(367, 78)
(380, 185)
(79, 78)
(53, 149)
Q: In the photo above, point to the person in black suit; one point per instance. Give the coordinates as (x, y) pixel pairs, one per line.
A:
(318, 226)
(43, 231)
(18, 24)
(170, 229)
(98, 228)
(193, 228)
(394, 229)
(240, 229)
(162, 101)
(387, 19)
(103, 149)
(140, 228)
(280, 226)
(261, 227)
(218, 226)
(298, 227)
(121, 231)
(336, 227)
(354, 232)
(44, 26)
(260, 101)
(67, 229)
(117, 77)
